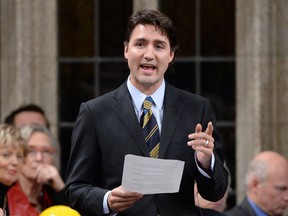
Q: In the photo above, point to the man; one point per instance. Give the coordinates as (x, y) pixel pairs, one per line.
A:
(108, 128)
(23, 115)
(266, 187)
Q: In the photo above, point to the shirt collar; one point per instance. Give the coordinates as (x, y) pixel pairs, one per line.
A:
(258, 211)
(138, 97)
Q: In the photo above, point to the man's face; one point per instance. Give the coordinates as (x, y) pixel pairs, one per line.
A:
(40, 152)
(27, 117)
(272, 194)
(149, 54)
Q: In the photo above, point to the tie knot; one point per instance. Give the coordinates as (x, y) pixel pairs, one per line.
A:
(147, 104)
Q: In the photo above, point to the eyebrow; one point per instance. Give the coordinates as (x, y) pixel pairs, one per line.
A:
(40, 147)
(154, 41)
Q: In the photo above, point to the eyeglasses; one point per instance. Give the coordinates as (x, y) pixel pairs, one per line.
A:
(45, 152)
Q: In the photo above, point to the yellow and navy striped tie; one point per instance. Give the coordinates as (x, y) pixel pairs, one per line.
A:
(150, 128)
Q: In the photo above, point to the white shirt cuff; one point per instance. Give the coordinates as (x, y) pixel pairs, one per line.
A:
(201, 170)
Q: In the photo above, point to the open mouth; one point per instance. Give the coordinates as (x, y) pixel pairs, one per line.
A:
(148, 67)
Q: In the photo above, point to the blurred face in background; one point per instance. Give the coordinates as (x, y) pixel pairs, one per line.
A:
(27, 117)
(267, 182)
(272, 194)
(11, 160)
(40, 152)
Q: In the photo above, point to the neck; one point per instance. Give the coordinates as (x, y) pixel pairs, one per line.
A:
(146, 88)
(31, 188)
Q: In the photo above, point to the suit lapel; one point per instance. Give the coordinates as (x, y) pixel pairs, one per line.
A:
(125, 111)
(172, 110)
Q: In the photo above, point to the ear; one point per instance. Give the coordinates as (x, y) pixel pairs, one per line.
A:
(171, 56)
(254, 185)
(126, 50)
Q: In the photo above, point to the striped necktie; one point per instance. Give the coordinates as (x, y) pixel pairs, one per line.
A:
(150, 128)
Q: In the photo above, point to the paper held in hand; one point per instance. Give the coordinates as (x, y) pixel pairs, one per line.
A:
(151, 175)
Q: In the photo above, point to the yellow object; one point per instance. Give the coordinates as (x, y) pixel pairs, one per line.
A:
(59, 210)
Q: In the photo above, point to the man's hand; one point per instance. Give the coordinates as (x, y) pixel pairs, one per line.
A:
(119, 199)
(203, 144)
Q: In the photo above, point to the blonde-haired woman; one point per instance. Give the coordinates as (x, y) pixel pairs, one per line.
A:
(12, 151)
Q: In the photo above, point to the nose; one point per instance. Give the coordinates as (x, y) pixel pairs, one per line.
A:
(286, 197)
(14, 160)
(38, 155)
(149, 53)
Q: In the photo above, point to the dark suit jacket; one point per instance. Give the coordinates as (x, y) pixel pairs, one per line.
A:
(107, 129)
(244, 208)
(209, 212)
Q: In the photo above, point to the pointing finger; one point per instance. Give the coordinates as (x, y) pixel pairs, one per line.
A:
(198, 128)
(209, 129)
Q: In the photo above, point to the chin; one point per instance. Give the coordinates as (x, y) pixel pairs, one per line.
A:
(9, 182)
(148, 81)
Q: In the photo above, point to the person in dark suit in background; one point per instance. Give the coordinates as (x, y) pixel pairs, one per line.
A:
(108, 128)
(266, 187)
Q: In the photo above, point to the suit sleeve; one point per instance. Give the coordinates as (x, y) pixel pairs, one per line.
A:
(219, 176)
(82, 176)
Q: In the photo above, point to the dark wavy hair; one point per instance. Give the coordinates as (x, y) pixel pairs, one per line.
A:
(157, 19)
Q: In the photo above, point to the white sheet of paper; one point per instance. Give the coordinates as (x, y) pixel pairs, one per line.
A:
(151, 175)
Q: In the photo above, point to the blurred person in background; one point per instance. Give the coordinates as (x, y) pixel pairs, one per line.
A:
(266, 187)
(40, 184)
(220, 205)
(12, 151)
(23, 115)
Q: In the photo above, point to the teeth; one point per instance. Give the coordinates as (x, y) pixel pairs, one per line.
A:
(148, 66)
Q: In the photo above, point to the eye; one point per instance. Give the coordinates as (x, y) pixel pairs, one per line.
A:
(139, 44)
(46, 153)
(32, 152)
(281, 188)
(160, 46)
(20, 156)
(6, 155)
